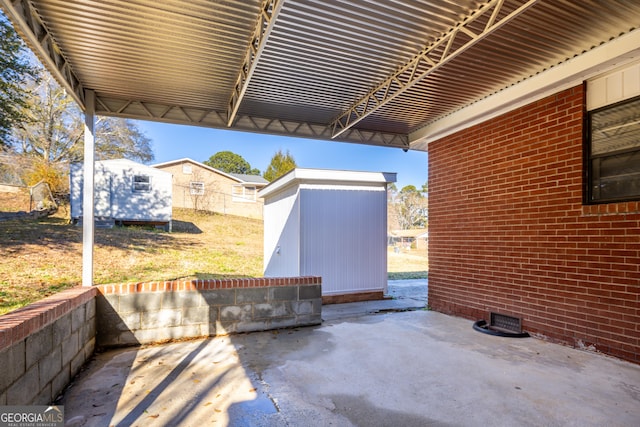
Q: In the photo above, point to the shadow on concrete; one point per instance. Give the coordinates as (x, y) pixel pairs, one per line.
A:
(416, 368)
(140, 411)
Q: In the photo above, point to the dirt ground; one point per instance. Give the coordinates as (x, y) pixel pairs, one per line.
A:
(14, 202)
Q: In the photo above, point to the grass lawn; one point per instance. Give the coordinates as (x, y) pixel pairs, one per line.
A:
(38, 258)
(41, 257)
(407, 264)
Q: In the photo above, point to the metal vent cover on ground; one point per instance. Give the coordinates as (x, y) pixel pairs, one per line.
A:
(501, 325)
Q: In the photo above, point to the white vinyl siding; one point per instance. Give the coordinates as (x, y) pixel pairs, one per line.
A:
(282, 234)
(614, 87)
(343, 239)
(331, 224)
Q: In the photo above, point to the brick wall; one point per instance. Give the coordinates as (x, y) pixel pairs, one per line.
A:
(130, 314)
(43, 345)
(509, 233)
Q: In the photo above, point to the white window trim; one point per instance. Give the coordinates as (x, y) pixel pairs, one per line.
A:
(244, 197)
(196, 188)
(141, 186)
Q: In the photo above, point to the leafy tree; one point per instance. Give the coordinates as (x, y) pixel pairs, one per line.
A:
(280, 164)
(229, 162)
(15, 69)
(54, 132)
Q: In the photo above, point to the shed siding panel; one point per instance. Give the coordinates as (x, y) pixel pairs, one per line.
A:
(282, 230)
(344, 239)
(508, 231)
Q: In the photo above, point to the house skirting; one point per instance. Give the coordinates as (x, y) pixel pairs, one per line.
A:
(352, 297)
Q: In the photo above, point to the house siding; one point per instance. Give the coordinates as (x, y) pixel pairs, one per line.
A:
(217, 195)
(509, 233)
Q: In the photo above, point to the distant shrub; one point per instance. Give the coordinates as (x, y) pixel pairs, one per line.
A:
(53, 174)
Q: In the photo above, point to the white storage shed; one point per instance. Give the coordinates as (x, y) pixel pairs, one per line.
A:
(332, 224)
(125, 192)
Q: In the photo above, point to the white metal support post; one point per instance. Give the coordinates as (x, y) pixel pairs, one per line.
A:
(87, 191)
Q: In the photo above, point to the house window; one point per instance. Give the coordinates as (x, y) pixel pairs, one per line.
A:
(614, 153)
(141, 183)
(196, 188)
(243, 194)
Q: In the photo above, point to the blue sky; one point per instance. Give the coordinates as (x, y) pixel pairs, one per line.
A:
(171, 142)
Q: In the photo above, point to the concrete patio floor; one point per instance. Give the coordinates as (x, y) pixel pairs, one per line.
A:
(368, 364)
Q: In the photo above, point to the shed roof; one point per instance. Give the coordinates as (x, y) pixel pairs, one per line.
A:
(396, 74)
(250, 179)
(299, 176)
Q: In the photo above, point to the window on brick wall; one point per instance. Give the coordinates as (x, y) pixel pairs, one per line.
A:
(614, 153)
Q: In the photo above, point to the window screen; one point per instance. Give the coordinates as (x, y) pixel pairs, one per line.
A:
(614, 153)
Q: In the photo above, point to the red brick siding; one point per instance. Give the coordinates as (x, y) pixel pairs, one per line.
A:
(509, 233)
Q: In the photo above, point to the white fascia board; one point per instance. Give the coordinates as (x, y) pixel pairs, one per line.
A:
(173, 162)
(573, 72)
(326, 177)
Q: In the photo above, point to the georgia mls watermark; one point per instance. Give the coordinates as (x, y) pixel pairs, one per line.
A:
(32, 416)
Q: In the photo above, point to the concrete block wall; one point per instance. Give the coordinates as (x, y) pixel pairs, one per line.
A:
(509, 232)
(142, 313)
(43, 345)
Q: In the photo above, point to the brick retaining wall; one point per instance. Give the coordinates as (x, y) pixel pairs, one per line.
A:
(43, 345)
(142, 313)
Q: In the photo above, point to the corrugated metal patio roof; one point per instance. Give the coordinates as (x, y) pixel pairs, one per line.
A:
(377, 72)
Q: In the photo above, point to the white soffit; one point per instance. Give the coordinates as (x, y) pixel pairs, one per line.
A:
(573, 72)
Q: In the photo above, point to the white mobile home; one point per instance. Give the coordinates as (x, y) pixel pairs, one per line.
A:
(331, 224)
(125, 192)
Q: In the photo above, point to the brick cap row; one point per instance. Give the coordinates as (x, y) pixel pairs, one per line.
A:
(204, 285)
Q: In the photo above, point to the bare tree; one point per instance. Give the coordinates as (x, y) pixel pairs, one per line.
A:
(410, 208)
(54, 131)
